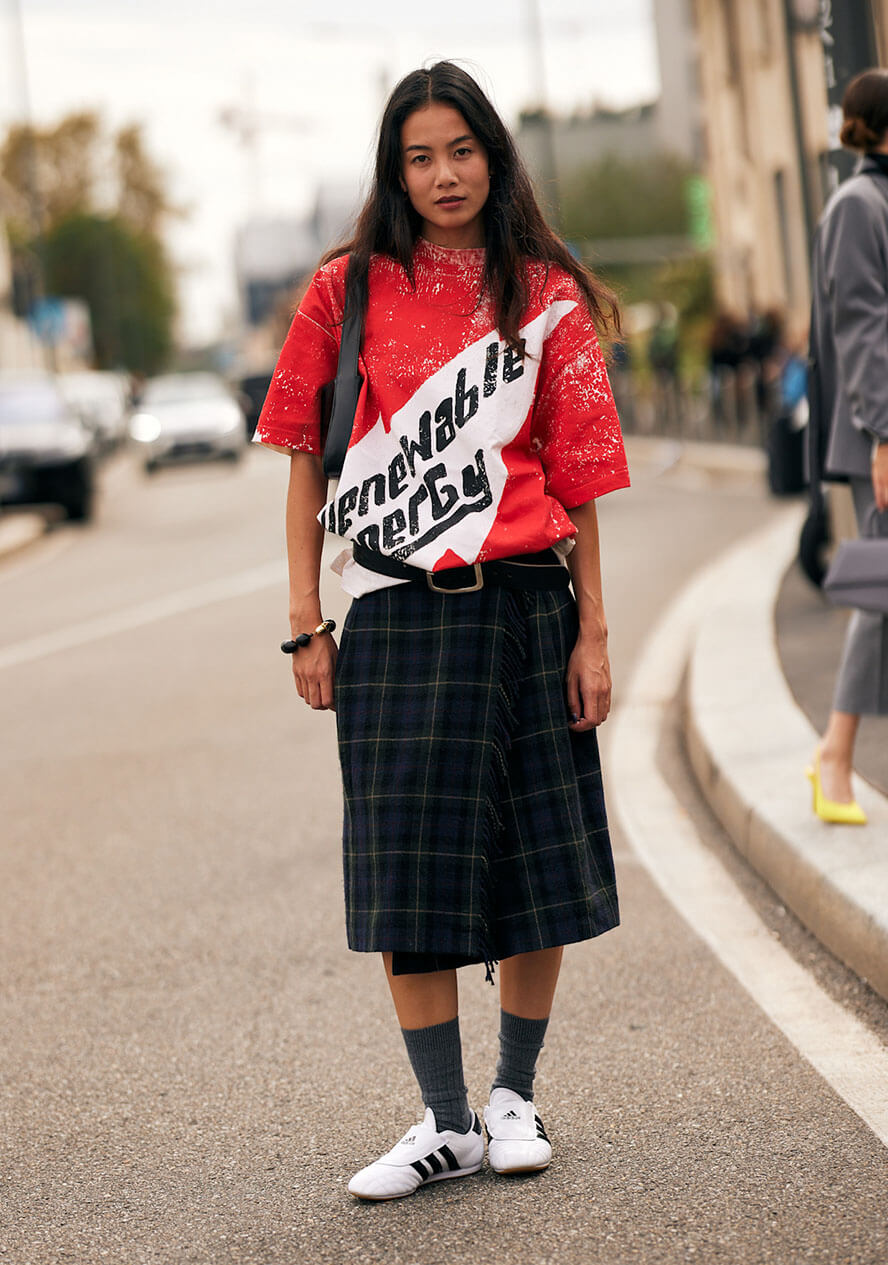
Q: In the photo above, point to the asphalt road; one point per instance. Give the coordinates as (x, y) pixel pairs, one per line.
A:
(193, 1064)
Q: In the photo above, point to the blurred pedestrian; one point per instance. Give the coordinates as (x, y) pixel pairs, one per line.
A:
(788, 416)
(766, 347)
(469, 683)
(728, 348)
(849, 412)
(662, 350)
(622, 382)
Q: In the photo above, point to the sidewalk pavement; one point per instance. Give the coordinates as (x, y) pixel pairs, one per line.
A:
(758, 687)
(757, 692)
(18, 530)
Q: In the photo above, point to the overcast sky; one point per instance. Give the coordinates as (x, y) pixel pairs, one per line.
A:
(316, 74)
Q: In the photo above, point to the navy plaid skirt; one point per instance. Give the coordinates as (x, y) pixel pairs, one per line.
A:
(475, 824)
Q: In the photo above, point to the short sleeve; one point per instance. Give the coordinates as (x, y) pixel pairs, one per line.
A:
(575, 427)
(291, 416)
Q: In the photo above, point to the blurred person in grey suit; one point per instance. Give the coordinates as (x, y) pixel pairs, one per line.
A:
(849, 418)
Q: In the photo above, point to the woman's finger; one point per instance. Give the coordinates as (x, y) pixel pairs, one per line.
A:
(594, 705)
(574, 706)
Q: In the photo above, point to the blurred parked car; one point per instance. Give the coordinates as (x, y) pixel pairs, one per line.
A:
(101, 399)
(46, 453)
(185, 416)
(253, 389)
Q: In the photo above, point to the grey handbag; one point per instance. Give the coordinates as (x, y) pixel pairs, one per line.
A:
(858, 574)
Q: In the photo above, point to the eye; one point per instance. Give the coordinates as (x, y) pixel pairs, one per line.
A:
(418, 159)
(463, 149)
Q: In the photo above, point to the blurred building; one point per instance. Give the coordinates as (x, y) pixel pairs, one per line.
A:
(556, 149)
(582, 138)
(679, 116)
(273, 257)
(771, 72)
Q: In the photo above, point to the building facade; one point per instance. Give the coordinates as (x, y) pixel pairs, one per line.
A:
(765, 70)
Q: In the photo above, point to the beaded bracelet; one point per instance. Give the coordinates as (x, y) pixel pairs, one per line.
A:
(302, 639)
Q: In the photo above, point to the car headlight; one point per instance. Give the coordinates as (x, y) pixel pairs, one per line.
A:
(144, 428)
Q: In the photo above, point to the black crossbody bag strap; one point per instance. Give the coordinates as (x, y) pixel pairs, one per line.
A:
(346, 388)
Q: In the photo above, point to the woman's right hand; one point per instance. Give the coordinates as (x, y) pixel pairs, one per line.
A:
(314, 668)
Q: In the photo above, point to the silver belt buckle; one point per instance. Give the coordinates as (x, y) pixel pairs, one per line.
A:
(469, 588)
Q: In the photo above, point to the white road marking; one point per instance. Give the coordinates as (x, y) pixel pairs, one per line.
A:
(845, 1053)
(131, 617)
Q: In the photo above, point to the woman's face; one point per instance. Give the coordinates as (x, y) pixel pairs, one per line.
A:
(445, 175)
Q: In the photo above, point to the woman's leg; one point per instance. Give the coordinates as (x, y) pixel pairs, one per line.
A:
(451, 1144)
(527, 982)
(422, 1000)
(527, 988)
(517, 1141)
(836, 753)
(862, 680)
(427, 1005)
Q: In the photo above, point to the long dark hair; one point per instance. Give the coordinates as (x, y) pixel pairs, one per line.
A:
(514, 228)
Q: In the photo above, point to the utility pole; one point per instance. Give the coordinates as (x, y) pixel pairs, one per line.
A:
(848, 32)
(35, 281)
(548, 164)
(248, 122)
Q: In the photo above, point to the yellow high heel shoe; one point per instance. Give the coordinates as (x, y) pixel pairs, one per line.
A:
(832, 810)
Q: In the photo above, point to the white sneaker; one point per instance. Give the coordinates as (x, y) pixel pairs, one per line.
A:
(423, 1155)
(517, 1141)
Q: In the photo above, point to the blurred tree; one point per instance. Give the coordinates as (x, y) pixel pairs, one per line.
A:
(123, 276)
(50, 172)
(617, 198)
(142, 199)
(626, 197)
(73, 186)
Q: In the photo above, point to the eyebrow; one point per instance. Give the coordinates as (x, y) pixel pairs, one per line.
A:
(468, 137)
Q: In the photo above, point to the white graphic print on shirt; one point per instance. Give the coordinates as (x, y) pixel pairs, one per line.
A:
(432, 482)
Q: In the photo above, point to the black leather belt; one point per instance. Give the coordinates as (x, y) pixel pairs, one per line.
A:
(524, 571)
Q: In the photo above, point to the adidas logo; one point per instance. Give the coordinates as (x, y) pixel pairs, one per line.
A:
(511, 1115)
(410, 1140)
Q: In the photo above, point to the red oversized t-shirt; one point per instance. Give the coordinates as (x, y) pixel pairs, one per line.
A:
(462, 450)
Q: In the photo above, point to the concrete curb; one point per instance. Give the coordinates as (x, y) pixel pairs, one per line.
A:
(17, 531)
(749, 744)
(709, 464)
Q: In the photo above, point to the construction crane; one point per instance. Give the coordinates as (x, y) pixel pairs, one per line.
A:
(248, 123)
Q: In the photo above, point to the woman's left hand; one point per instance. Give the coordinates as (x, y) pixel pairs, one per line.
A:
(880, 475)
(588, 684)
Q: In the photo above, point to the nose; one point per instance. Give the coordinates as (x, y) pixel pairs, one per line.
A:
(444, 173)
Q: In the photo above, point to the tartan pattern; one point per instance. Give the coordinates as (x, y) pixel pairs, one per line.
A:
(475, 822)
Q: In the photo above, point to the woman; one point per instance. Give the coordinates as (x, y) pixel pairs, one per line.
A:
(468, 683)
(849, 414)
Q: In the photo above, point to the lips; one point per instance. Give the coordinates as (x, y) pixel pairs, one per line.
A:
(449, 201)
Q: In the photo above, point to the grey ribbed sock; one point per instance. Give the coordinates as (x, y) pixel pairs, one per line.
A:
(520, 1043)
(436, 1058)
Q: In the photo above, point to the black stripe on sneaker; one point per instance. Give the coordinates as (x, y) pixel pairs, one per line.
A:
(421, 1169)
(435, 1163)
(449, 1158)
(541, 1132)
